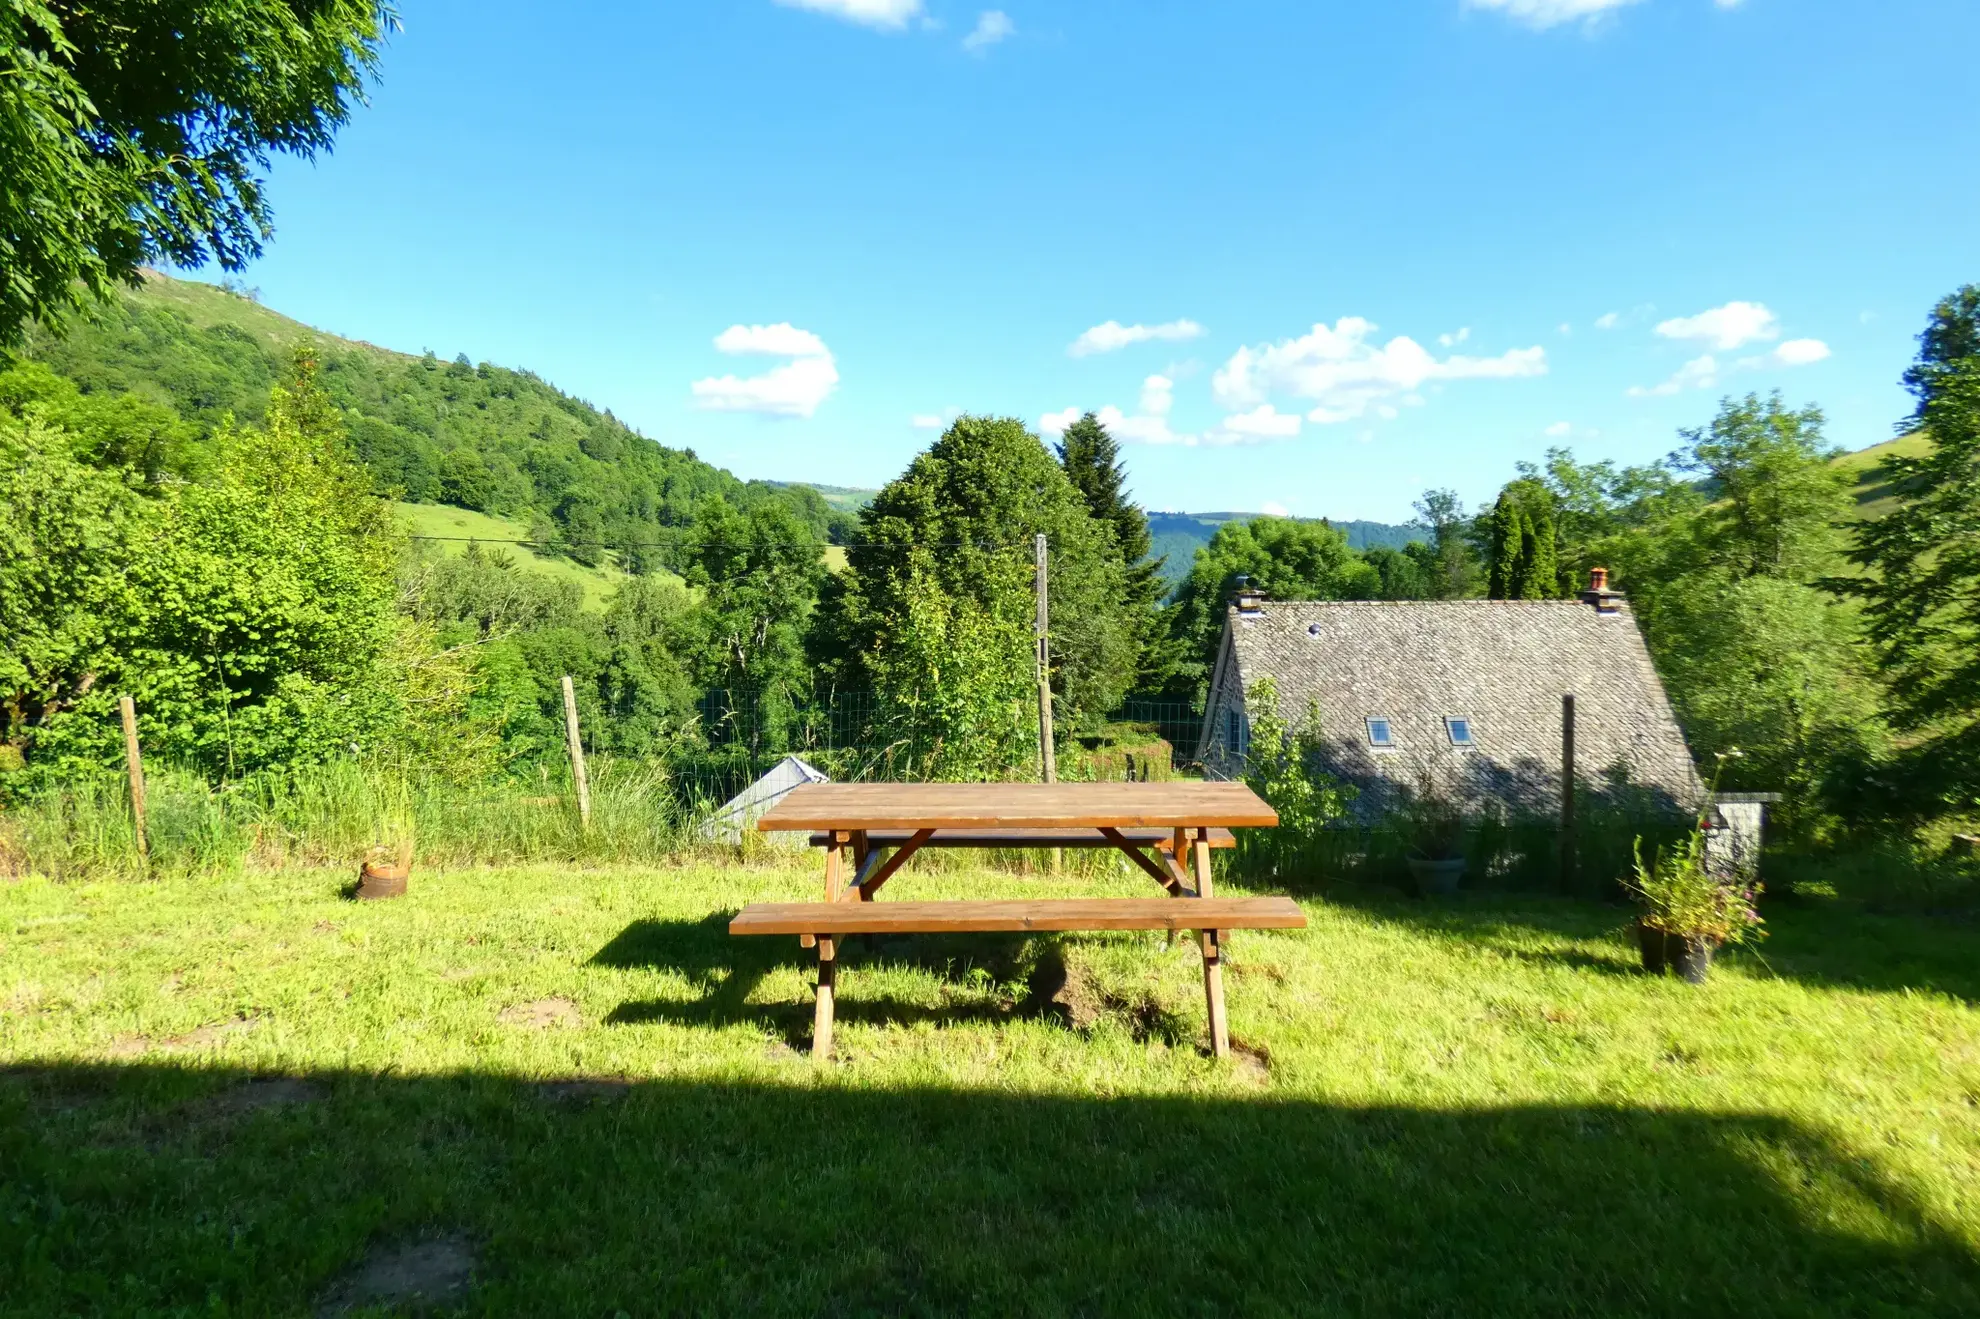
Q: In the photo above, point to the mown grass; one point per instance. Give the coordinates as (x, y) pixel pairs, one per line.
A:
(1474, 1108)
(459, 525)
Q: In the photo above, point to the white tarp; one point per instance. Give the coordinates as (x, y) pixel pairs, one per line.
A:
(742, 811)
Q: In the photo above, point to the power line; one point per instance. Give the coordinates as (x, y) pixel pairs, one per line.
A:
(732, 545)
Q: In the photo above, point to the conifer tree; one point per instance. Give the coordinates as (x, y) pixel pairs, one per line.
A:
(1092, 462)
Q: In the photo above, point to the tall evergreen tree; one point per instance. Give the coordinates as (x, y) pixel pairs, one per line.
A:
(1525, 564)
(1092, 462)
(1923, 590)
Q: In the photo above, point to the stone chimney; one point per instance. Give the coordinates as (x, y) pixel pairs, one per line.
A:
(1247, 599)
(1598, 593)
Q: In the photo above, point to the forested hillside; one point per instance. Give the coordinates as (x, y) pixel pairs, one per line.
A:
(476, 436)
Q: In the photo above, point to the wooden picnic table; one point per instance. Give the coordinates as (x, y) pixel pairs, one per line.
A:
(870, 830)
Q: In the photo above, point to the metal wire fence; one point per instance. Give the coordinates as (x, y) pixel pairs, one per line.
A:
(852, 736)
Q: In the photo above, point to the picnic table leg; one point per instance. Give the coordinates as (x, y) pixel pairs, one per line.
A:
(821, 1025)
(1213, 958)
(835, 855)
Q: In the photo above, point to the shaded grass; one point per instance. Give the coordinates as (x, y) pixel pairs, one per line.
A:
(1469, 1109)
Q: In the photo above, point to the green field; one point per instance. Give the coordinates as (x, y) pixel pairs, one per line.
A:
(461, 524)
(572, 1092)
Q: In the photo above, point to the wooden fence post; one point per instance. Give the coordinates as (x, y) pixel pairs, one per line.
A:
(1047, 751)
(1570, 853)
(577, 754)
(135, 766)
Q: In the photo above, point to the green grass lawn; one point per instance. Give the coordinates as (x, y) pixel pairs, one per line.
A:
(223, 1095)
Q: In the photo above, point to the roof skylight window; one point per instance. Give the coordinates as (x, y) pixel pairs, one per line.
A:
(1459, 728)
(1379, 733)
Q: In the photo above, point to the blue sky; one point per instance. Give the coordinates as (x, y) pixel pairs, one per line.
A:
(1317, 256)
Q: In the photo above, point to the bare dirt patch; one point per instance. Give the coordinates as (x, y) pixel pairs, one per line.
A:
(542, 1014)
(1070, 993)
(205, 1037)
(128, 1046)
(422, 1275)
(1251, 1063)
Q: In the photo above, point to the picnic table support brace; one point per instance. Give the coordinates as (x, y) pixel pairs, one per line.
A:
(1161, 875)
(821, 1025)
(880, 868)
(1213, 956)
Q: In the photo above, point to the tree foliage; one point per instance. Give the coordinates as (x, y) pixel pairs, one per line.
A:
(135, 130)
(1289, 559)
(1922, 594)
(974, 501)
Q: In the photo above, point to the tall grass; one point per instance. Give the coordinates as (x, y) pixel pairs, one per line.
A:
(339, 812)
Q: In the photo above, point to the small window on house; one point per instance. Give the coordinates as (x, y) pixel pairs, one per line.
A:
(1379, 734)
(1459, 728)
(1237, 732)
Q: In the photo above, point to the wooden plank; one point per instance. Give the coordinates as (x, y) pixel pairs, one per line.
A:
(873, 806)
(1213, 957)
(835, 918)
(869, 884)
(1156, 872)
(1026, 838)
(821, 1021)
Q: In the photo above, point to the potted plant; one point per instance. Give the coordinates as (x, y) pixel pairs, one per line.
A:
(1688, 912)
(1434, 835)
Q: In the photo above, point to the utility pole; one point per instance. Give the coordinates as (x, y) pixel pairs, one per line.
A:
(1570, 852)
(1048, 755)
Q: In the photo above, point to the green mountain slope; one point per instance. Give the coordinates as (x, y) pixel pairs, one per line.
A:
(1873, 494)
(477, 437)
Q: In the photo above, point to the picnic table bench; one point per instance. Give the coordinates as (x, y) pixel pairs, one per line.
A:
(871, 829)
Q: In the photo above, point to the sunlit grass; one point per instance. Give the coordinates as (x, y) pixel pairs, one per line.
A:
(1479, 1107)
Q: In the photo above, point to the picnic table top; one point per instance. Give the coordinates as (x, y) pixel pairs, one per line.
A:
(1179, 804)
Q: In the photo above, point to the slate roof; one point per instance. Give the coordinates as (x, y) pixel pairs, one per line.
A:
(1502, 664)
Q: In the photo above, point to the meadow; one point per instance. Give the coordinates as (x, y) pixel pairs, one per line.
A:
(552, 1089)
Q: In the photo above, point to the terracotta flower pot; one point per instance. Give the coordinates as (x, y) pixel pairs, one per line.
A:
(383, 876)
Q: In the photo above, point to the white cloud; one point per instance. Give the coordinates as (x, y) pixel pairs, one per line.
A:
(1800, 352)
(1345, 376)
(1698, 373)
(992, 26)
(1141, 428)
(1608, 320)
(1111, 336)
(794, 389)
(934, 421)
(1270, 509)
(1560, 430)
(1158, 395)
(1263, 422)
(1732, 326)
(867, 13)
(1549, 13)
(780, 340)
(1453, 340)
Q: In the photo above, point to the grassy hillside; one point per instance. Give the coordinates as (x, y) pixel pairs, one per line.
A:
(479, 437)
(456, 527)
(1873, 494)
(845, 498)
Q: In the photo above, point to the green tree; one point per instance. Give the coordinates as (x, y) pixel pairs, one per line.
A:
(759, 574)
(138, 130)
(1922, 591)
(1447, 564)
(1287, 558)
(1092, 463)
(1777, 500)
(975, 500)
(1523, 557)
